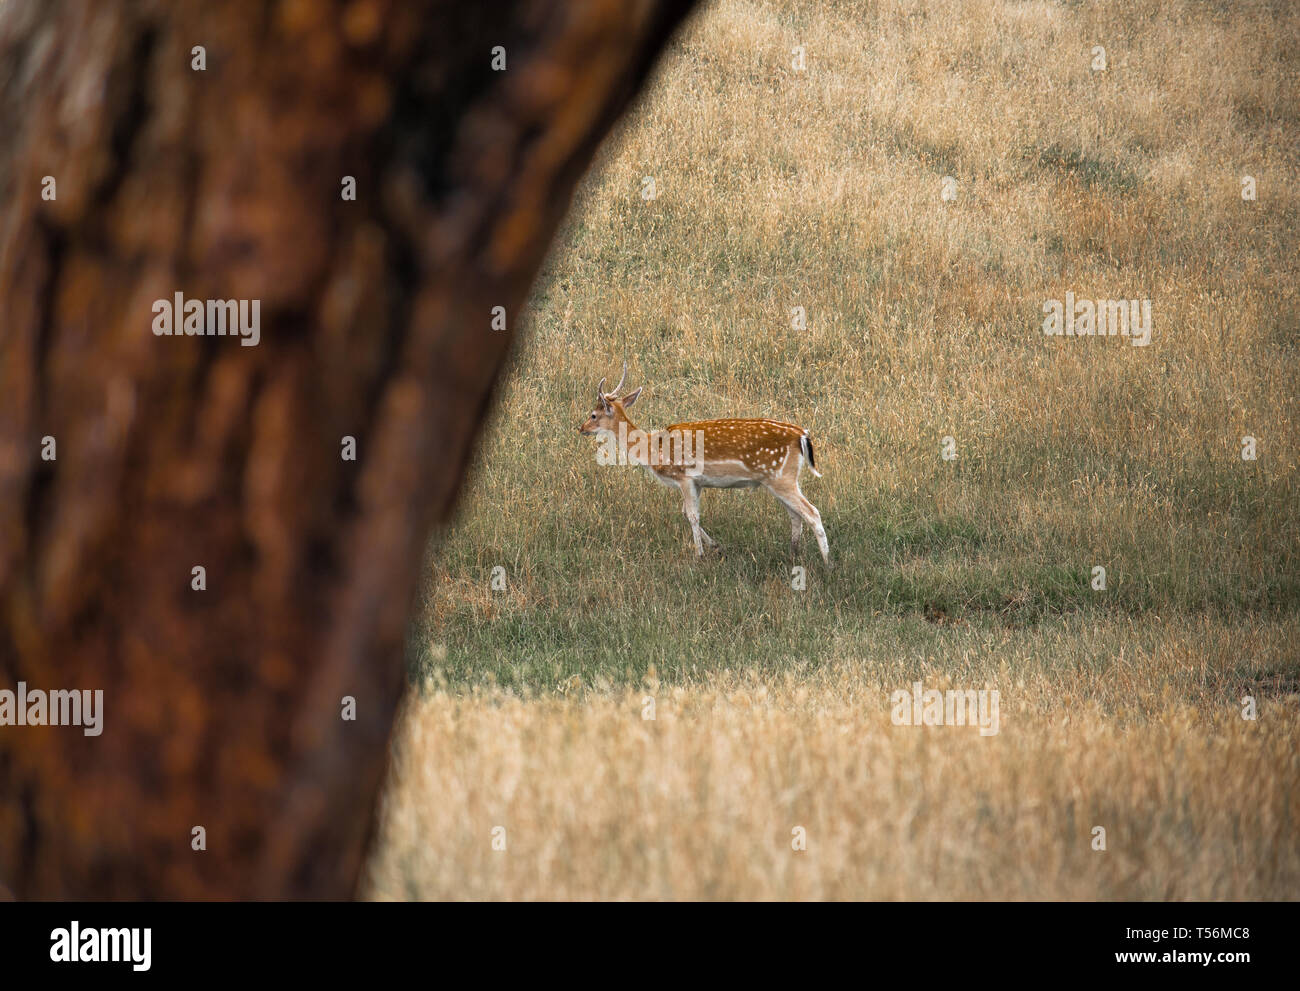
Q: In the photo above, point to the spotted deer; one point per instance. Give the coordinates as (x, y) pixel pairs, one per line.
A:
(714, 454)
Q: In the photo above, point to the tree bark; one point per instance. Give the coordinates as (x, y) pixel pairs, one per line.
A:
(222, 708)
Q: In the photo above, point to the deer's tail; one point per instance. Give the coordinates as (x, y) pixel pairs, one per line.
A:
(805, 445)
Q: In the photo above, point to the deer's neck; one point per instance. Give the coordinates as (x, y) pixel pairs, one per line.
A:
(638, 443)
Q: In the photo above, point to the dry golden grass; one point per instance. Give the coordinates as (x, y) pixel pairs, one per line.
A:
(598, 802)
(822, 189)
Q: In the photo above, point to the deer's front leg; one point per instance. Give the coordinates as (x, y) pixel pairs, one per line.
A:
(691, 507)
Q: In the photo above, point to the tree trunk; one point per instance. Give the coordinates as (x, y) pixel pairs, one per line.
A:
(223, 707)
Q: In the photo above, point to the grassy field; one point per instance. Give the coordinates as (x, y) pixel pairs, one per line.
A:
(824, 189)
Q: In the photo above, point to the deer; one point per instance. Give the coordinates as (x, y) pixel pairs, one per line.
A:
(714, 454)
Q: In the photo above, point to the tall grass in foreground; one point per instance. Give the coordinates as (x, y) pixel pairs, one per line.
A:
(1130, 727)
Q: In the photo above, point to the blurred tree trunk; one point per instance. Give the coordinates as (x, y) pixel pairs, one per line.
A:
(223, 707)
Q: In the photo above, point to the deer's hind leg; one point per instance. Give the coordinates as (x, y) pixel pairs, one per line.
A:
(787, 491)
(796, 529)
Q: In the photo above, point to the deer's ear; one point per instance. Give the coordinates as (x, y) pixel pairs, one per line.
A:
(631, 397)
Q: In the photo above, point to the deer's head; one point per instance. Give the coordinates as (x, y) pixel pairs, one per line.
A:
(610, 411)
